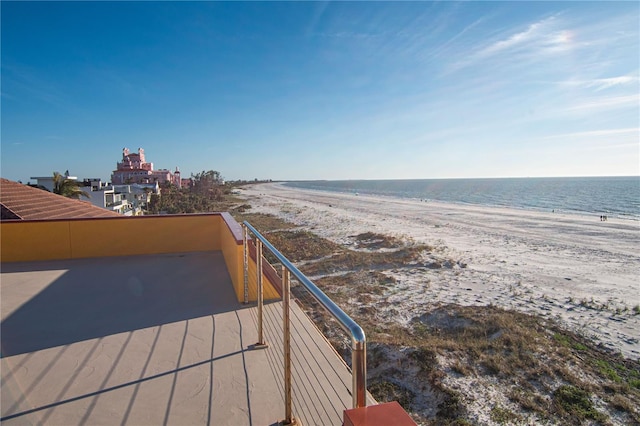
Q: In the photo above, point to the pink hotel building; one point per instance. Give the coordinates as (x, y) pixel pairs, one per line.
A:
(134, 169)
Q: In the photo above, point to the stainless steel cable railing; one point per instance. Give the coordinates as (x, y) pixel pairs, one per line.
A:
(358, 339)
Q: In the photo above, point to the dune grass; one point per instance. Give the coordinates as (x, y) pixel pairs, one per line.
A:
(546, 373)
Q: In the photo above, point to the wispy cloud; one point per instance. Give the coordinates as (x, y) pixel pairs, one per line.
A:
(541, 37)
(320, 8)
(27, 82)
(609, 147)
(444, 48)
(591, 43)
(534, 33)
(605, 83)
(599, 84)
(597, 133)
(605, 102)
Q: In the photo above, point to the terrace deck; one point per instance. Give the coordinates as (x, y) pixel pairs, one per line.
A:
(153, 339)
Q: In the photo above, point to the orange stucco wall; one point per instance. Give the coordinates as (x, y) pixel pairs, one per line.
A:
(233, 251)
(82, 238)
(126, 236)
(131, 236)
(268, 290)
(44, 240)
(231, 246)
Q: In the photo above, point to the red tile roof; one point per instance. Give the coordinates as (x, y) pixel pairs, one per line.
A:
(24, 202)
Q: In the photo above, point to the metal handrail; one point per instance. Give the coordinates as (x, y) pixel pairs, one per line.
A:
(358, 338)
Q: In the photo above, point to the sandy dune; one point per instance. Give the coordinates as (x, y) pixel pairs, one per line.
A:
(584, 272)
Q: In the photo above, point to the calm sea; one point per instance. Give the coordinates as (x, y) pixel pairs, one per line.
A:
(614, 196)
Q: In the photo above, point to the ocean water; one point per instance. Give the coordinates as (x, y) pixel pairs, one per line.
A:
(613, 196)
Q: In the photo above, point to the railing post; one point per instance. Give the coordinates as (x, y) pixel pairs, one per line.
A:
(358, 338)
(261, 343)
(359, 373)
(286, 330)
(245, 241)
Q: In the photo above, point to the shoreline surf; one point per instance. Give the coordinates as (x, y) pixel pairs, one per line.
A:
(613, 196)
(571, 268)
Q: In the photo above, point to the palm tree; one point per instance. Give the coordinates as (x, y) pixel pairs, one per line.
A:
(67, 187)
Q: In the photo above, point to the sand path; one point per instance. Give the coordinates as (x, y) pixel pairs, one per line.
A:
(576, 269)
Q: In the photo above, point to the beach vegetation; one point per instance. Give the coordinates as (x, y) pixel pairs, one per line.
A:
(242, 208)
(624, 404)
(451, 407)
(503, 415)
(349, 260)
(548, 374)
(264, 223)
(579, 346)
(636, 310)
(609, 371)
(573, 403)
(425, 358)
(621, 310)
(372, 240)
(528, 400)
(300, 245)
(567, 342)
(361, 286)
(462, 367)
(387, 391)
(562, 339)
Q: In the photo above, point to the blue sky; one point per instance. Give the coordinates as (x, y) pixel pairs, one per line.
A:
(316, 90)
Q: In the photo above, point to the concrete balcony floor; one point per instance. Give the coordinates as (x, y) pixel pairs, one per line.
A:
(156, 339)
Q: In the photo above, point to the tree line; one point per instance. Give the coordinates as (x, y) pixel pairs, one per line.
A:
(204, 194)
(206, 191)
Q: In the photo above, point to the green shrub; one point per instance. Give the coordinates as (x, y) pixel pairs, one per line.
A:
(575, 402)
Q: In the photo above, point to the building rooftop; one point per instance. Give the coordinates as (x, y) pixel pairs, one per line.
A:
(154, 337)
(20, 201)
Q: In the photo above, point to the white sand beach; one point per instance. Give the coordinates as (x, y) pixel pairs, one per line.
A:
(577, 269)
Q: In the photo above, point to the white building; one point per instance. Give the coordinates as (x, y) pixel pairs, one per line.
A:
(128, 200)
(138, 194)
(109, 199)
(47, 181)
